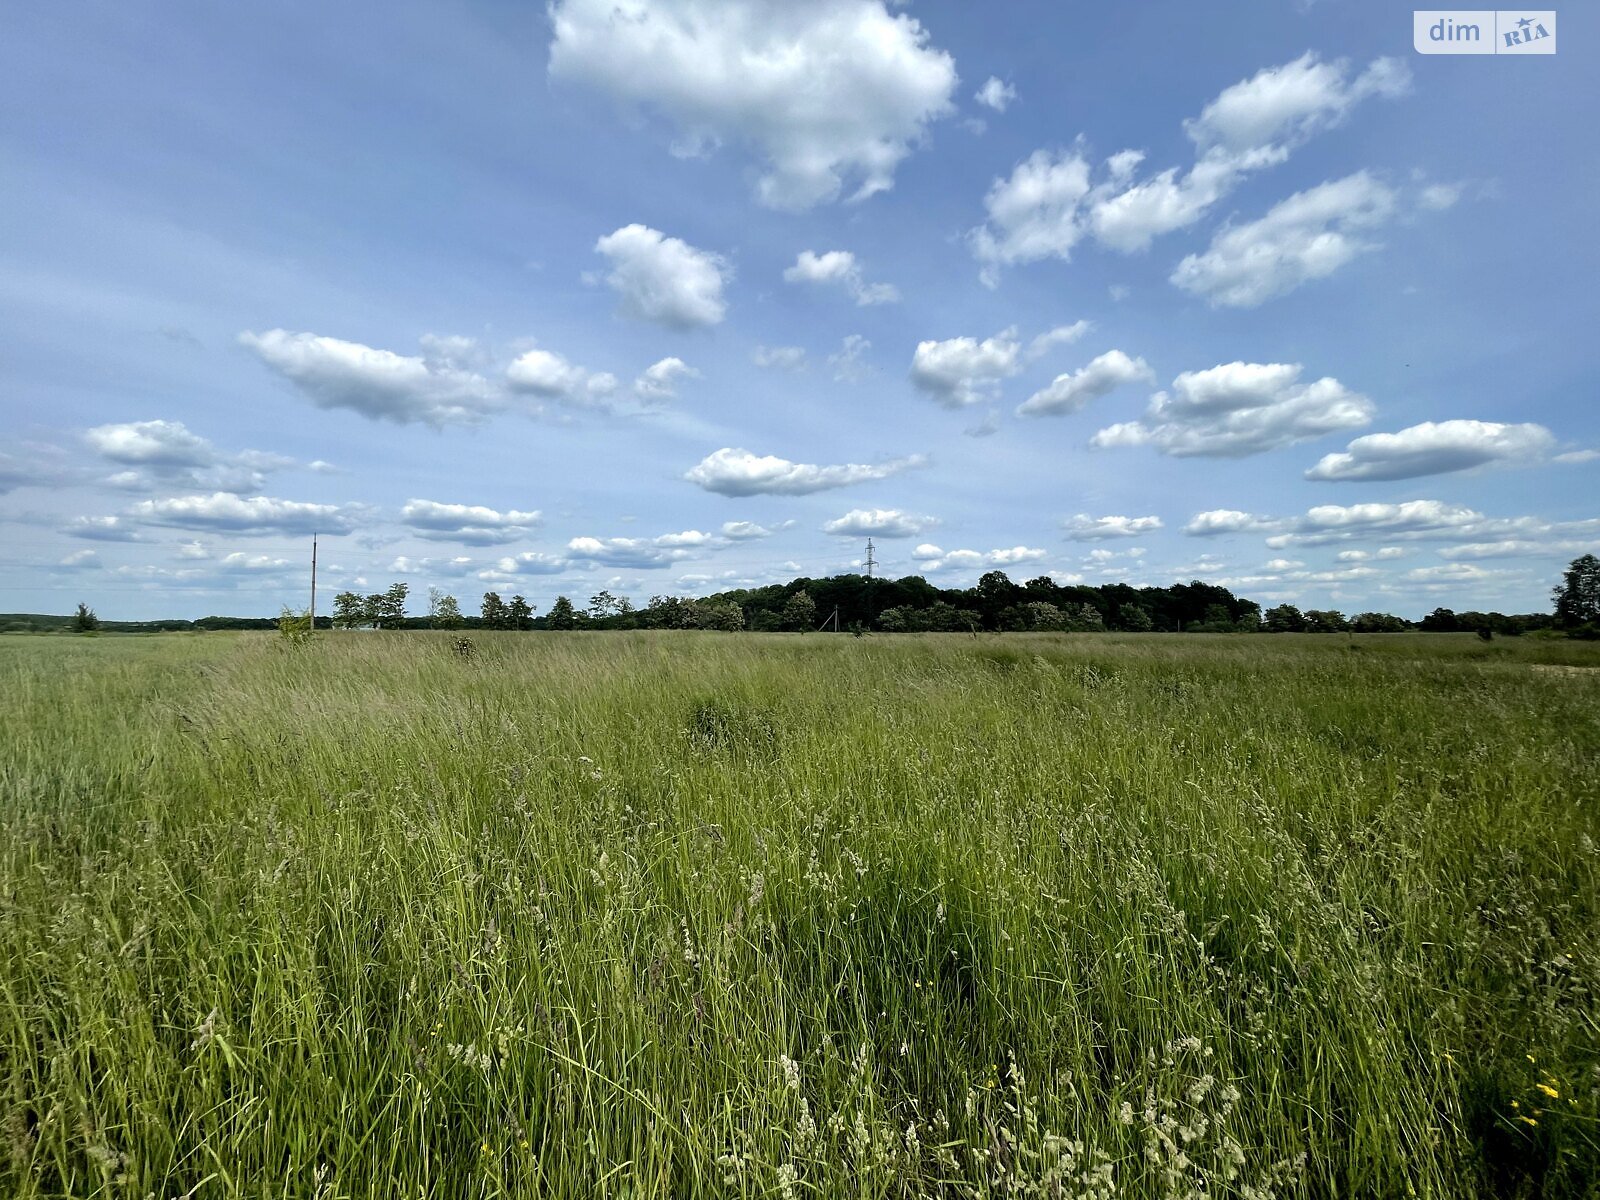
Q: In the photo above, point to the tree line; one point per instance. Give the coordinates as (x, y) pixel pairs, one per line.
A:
(913, 605)
(907, 605)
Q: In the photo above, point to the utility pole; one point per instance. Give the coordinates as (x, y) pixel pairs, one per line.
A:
(313, 583)
(871, 564)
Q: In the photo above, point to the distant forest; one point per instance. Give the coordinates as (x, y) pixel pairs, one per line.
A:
(846, 604)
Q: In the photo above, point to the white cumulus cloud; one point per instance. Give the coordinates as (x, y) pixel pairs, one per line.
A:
(745, 531)
(839, 268)
(1061, 335)
(167, 454)
(996, 94)
(1033, 214)
(1237, 409)
(244, 515)
(1084, 528)
(1435, 448)
(962, 371)
(879, 522)
(471, 523)
(1068, 393)
(547, 374)
(1281, 107)
(379, 384)
(831, 93)
(664, 279)
(932, 558)
(1226, 520)
(1308, 236)
(737, 472)
(660, 380)
(1052, 200)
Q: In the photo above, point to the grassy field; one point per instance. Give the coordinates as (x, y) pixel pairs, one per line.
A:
(699, 914)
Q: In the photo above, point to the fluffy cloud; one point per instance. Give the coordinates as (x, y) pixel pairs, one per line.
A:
(839, 268)
(1128, 217)
(378, 384)
(784, 358)
(1240, 408)
(1330, 521)
(1424, 520)
(471, 523)
(166, 453)
(1084, 528)
(745, 531)
(642, 553)
(531, 563)
(996, 94)
(1308, 236)
(963, 371)
(239, 563)
(1061, 335)
(1034, 214)
(1069, 393)
(546, 374)
(451, 568)
(1226, 520)
(660, 380)
(932, 558)
(737, 472)
(245, 515)
(1521, 547)
(1281, 107)
(831, 94)
(1052, 200)
(152, 444)
(1435, 448)
(664, 279)
(101, 529)
(879, 522)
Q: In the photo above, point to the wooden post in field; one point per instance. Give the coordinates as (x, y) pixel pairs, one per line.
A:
(313, 583)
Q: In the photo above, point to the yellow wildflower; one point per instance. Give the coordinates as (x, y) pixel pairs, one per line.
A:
(1548, 1091)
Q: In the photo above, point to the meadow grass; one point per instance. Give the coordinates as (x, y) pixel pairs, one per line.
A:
(699, 914)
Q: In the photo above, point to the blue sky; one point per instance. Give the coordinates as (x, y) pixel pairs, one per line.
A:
(671, 297)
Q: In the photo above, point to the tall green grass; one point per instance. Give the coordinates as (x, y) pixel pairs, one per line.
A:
(684, 915)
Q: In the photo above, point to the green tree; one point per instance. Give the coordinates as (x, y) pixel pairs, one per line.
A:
(349, 611)
(1135, 618)
(728, 617)
(494, 611)
(447, 613)
(562, 615)
(387, 609)
(602, 605)
(1376, 622)
(85, 621)
(294, 627)
(1325, 620)
(800, 612)
(1441, 620)
(892, 620)
(1044, 616)
(519, 614)
(1286, 618)
(1084, 618)
(1577, 599)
